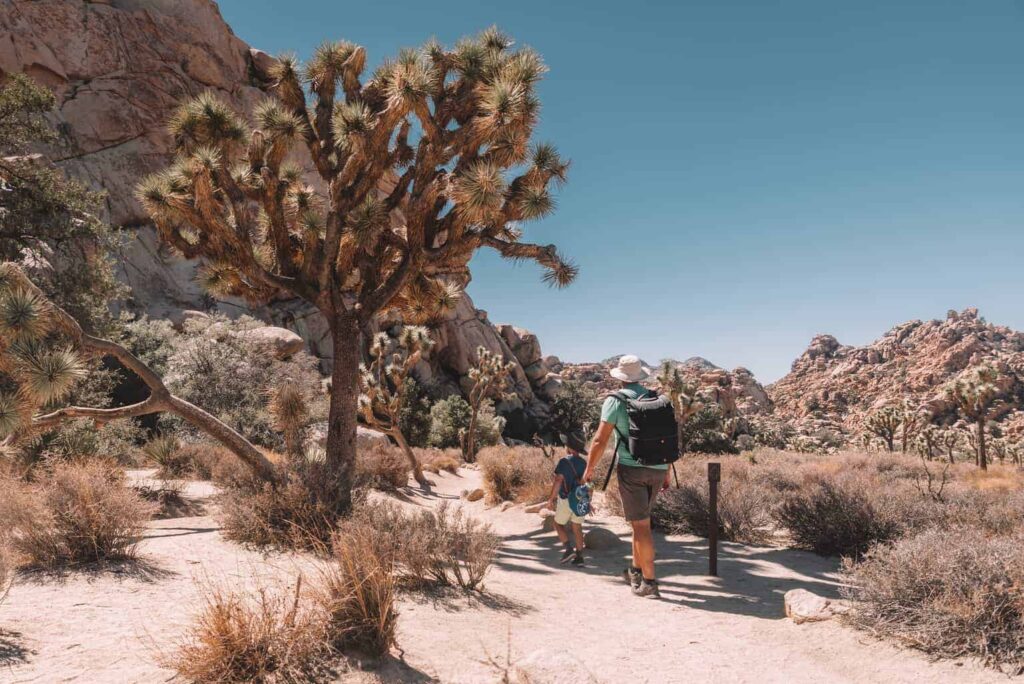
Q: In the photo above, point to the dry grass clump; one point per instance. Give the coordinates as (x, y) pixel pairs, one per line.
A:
(950, 594)
(521, 474)
(6, 570)
(263, 637)
(171, 460)
(436, 460)
(744, 504)
(443, 547)
(357, 595)
(76, 513)
(382, 466)
(293, 515)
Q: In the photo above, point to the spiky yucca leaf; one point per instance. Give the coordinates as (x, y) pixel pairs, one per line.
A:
(350, 119)
(206, 120)
(46, 375)
(561, 273)
(502, 101)
(24, 315)
(535, 203)
(479, 191)
(415, 338)
(277, 122)
(289, 409)
(328, 62)
(367, 220)
(525, 66)
(12, 414)
(493, 38)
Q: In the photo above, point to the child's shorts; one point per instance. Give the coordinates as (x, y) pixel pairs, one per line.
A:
(563, 514)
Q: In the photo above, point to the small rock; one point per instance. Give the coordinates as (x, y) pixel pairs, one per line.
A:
(475, 495)
(600, 538)
(284, 342)
(507, 505)
(803, 606)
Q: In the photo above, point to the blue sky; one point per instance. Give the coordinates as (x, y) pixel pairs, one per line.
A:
(746, 174)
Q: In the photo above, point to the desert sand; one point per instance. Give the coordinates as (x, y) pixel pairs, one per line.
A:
(537, 621)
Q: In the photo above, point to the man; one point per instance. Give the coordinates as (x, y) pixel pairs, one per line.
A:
(638, 484)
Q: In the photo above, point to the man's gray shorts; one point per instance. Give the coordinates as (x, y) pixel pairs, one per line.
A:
(638, 487)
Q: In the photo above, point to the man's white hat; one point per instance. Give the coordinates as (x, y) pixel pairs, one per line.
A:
(630, 369)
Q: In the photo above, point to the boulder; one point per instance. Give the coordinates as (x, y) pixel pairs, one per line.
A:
(282, 341)
(474, 495)
(802, 606)
(601, 539)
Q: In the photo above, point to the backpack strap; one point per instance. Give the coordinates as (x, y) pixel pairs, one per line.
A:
(619, 437)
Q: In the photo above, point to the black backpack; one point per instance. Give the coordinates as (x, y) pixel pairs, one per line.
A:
(653, 431)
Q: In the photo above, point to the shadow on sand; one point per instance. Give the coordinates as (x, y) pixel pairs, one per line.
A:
(12, 649)
(751, 579)
(138, 569)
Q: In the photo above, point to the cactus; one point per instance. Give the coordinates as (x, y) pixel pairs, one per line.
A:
(489, 380)
(974, 394)
(419, 165)
(884, 423)
(44, 352)
(383, 383)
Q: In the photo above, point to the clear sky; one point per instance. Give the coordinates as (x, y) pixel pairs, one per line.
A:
(746, 174)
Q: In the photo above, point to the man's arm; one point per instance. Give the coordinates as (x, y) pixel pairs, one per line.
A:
(597, 447)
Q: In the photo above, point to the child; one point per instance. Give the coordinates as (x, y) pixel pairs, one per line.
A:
(564, 501)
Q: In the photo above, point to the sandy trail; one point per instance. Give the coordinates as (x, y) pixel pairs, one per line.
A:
(553, 622)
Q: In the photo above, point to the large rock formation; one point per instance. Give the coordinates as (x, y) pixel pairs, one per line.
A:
(914, 361)
(119, 68)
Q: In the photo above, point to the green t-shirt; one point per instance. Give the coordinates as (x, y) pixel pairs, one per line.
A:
(614, 411)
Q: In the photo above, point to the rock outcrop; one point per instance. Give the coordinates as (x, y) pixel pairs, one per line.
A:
(118, 69)
(915, 360)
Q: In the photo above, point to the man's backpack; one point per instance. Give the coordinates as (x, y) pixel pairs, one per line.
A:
(653, 437)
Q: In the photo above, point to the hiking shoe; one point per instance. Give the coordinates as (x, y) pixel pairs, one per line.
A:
(577, 559)
(647, 589)
(567, 555)
(633, 576)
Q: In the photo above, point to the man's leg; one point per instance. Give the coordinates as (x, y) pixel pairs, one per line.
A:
(643, 547)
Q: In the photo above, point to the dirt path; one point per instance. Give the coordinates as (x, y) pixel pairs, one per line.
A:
(555, 623)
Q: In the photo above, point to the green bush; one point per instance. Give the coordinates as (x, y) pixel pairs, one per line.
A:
(575, 409)
(448, 418)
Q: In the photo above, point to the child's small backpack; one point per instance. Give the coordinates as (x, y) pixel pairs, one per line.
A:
(579, 501)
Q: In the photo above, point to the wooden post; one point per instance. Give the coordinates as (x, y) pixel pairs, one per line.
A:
(714, 476)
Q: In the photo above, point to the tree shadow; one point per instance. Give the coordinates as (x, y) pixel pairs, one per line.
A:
(138, 569)
(155, 532)
(12, 649)
(751, 580)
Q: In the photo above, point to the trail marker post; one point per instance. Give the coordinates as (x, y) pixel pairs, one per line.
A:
(714, 477)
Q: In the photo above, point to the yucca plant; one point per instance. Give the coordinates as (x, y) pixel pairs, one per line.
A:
(885, 424)
(683, 394)
(419, 165)
(383, 383)
(44, 352)
(974, 394)
(490, 379)
(290, 415)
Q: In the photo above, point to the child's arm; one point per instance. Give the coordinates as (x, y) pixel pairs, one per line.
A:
(556, 485)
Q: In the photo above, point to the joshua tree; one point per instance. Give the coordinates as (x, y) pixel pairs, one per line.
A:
(489, 380)
(412, 171)
(912, 420)
(929, 441)
(974, 396)
(384, 382)
(289, 412)
(1000, 449)
(885, 423)
(683, 395)
(43, 353)
(950, 438)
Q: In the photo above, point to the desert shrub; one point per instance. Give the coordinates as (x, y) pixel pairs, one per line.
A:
(357, 594)
(214, 365)
(831, 519)
(575, 409)
(381, 466)
(297, 512)
(448, 418)
(262, 637)
(744, 506)
(76, 513)
(521, 474)
(704, 433)
(166, 452)
(414, 418)
(444, 547)
(436, 460)
(950, 594)
(168, 497)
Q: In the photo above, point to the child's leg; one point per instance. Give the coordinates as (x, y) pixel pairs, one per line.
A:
(563, 534)
(577, 533)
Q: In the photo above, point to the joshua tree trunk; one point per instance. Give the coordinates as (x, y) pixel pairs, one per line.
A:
(343, 415)
(414, 463)
(982, 460)
(469, 448)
